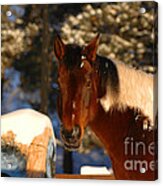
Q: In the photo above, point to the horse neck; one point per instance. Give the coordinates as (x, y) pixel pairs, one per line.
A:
(112, 127)
(115, 126)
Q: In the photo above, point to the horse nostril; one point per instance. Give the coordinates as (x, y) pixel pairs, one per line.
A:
(73, 134)
(67, 134)
(76, 131)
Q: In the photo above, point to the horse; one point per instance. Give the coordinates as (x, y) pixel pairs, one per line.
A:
(115, 100)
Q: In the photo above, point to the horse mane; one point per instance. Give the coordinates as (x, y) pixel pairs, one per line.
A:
(108, 75)
(124, 87)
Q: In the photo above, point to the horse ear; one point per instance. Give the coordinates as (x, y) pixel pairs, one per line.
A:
(90, 50)
(59, 48)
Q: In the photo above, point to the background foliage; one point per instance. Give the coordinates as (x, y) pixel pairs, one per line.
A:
(126, 34)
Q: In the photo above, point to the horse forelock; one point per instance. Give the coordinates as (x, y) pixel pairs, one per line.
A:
(72, 56)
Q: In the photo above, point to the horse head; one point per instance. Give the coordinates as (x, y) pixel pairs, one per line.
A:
(78, 91)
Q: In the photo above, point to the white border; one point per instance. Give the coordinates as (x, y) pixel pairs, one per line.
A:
(59, 182)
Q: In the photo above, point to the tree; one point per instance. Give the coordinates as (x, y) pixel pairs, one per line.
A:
(44, 63)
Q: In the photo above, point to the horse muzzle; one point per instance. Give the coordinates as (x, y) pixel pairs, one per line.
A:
(71, 139)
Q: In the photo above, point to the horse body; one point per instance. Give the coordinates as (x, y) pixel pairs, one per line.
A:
(129, 112)
(113, 128)
(116, 101)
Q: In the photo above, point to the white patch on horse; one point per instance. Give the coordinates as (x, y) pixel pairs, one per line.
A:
(73, 117)
(73, 105)
(82, 64)
(105, 102)
(108, 100)
(83, 57)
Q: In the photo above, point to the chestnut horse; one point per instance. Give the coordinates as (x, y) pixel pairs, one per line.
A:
(115, 101)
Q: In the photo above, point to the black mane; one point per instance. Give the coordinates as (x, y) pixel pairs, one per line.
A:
(108, 74)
